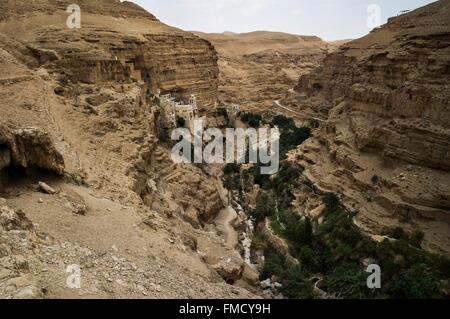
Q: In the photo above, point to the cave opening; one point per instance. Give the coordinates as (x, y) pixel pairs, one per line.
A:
(17, 176)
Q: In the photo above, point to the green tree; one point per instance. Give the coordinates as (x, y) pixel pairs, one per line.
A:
(348, 281)
(231, 168)
(416, 283)
(265, 207)
(296, 285)
(417, 238)
(231, 182)
(332, 201)
(273, 265)
(299, 233)
(309, 259)
(253, 120)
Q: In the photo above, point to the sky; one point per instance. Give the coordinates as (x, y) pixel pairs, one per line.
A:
(328, 19)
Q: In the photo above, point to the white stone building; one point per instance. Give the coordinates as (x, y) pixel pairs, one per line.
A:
(173, 110)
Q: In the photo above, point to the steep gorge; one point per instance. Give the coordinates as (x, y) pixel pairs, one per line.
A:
(260, 67)
(384, 146)
(77, 116)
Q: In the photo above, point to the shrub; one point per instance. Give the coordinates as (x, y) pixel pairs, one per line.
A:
(375, 179)
(265, 207)
(299, 234)
(231, 168)
(253, 120)
(231, 182)
(348, 281)
(336, 248)
(273, 265)
(258, 242)
(222, 112)
(309, 258)
(331, 201)
(398, 233)
(260, 179)
(417, 237)
(441, 265)
(287, 176)
(416, 283)
(283, 122)
(296, 284)
(291, 135)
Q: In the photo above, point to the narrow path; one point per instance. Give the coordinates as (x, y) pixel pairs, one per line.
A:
(303, 116)
(224, 224)
(226, 217)
(277, 103)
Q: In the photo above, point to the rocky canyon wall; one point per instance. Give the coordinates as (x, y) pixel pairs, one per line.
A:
(395, 83)
(80, 162)
(115, 39)
(385, 144)
(266, 63)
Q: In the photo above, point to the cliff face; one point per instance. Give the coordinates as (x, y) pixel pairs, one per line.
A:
(115, 37)
(385, 144)
(266, 63)
(75, 115)
(395, 83)
(108, 7)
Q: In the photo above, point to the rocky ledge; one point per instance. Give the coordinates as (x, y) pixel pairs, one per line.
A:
(385, 146)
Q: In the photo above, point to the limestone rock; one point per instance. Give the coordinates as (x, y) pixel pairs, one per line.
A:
(29, 147)
(376, 105)
(269, 63)
(167, 58)
(14, 220)
(5, 157)
(75, 202)
(230, 269)
(81, 103)
(46, 189)
(385, 143)
(250, 275)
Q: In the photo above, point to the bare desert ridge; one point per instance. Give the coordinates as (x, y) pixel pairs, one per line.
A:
(258, 68)
(88, 186)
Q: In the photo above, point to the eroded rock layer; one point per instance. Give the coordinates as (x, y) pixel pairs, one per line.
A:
(385, 145)
(258, 68)
(396, 85)
(116, 41)
(77, 102)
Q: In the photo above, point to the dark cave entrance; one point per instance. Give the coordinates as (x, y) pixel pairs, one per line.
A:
(17, 176)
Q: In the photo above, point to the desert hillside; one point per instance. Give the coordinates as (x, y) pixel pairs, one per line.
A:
(172, 60)
(384, 144)
(260, 67)
(229, 44)
(92, 205)
(84, 179)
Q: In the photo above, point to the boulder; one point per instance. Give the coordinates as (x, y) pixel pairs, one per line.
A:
(43, 187)
(230, 269)
(14, 220)
(28, 147)
(251, 276)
